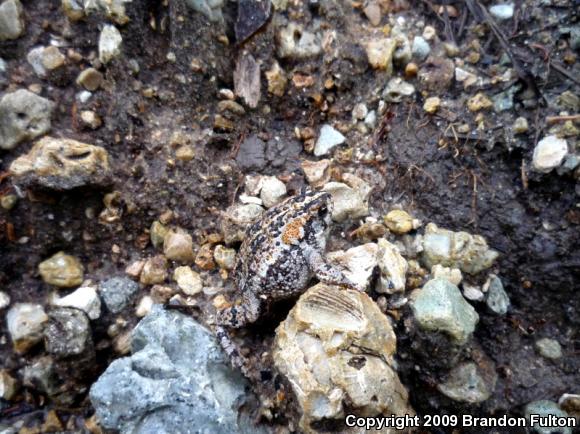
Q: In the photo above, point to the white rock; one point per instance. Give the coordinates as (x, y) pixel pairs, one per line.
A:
(144, 306)
(328, 139)
(453, 275)
(273, 191)
(502, 11)
(316, 172)
(8, 387)
(359, 111)
(393, 268)
(347, 202)
(109, 43)
(84, 298)
(357, 263)
(34, 58)
(4, 300)
(245, 199)
(472, 292)
(371, 119)
(25, 323)
(549, 153)
(188, 280)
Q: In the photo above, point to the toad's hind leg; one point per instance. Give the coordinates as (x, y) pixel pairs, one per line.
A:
(240, 314)
(232, 351)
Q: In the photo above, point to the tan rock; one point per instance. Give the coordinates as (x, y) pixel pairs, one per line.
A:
(380, 53)
(8, 385)
(479, 102)
(178, 246)
(317, 173)
(432, 104)
(154, 270)
(62, 270)
(399, 221)
(90, 79)
(224, 257)
(25, 323)
(277, 80)
(188, 280)
(393, 268)
(204, 258)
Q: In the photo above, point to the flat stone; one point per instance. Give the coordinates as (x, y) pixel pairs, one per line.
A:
(110, 41)
(317, 173)
(549, 348)
(247, 79)
(188, 280)
(327, 140)
(357, 263)
(178, 246)
(348, 203)
(11, 20)
(211, 9)
(440, 307)
(62, 270)
(502, 11)
(465, 384)
(380, 53)
(545, 408)
(549, 153)
(393, 268)
(90, 79)
(67, 333)
(224, 257)
(154, 270)
(399, 221)
(117, 292)
(25, 322)
(273, 191)
(497, 299)
(295, 42)
(84, 298)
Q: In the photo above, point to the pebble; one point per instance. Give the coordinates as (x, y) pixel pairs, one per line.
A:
(211, 9)
(436, 74)
(497, 299)
(45, 59)
(90, 79)
(429, 33)
(62, 164)
(545, 408)
(11, 20)
(25, 322)
(472, 292)
(380, 53)
(67, 333)
(247, 79)
(144, 306)
(224, 257)
(178, 246)
(397, 89)
(73, 9)
(393, 268)
(440, 307)
(549, 348)
(4, 300)
(503, 11)
(157, 233)
(8, 386)
(117, 292)
(294, 42)
(570, 403)
(371, 119)
(432, 104)
(421, 48)
(84, 298)
(277, 80)
(465, 384)
(549, 153)
(348, 202)
(479, 102)
(357, 263)
(273, 191)
(520, 125)
(23, 116)
(359, 111)
(236, 219)
(372, 10)
(327, 140)
(188, 280)
(110, 41)
(452, 275)
(399, 221)
(91, 119)
(317, 173)
(204, 257)
(154, 270)
(62, 270)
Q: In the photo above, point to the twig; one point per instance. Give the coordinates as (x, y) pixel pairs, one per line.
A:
(555, 119)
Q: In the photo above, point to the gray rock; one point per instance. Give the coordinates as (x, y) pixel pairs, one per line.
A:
(497, 299)
(546, 408)
(397, 89)
(41, 375)
(11, 20)
(117, 292)
(502, 11)
(110, 41)
(421, 48)
(549, 348)
(67, 333)
(211, 9)
(23, 116)
(327, 140)
(177, 381)
(465, 384)
(439, 306)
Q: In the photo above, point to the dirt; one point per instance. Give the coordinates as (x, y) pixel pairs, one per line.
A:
(480, 184)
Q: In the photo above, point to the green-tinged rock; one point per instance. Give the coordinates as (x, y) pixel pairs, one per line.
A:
(549, 348)
(545, 408)
(497, 299)
(465, 384)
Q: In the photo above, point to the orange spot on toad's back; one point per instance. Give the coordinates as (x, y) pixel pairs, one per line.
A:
(293, 231)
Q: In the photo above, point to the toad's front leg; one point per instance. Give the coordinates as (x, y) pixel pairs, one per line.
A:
(327, 273)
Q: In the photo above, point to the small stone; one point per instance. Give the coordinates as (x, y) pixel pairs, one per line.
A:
(465, 384)
(327, 139)
(204, 257)
(411, 70)
(520, 125)
(90, 79)
(91, 119)
(472, 292)
(348, 202)
(52, 423)
(224, 257)
(62, 164)
(357, 263)
(11, 20)
(277, 80)
(247, 79)
(295, 42)
(429, 33)
(211, 9)
(359, 111)
(432, 104)
(372, 10)
(317, 173)
(549, 348)
(154, 270)
(8, 201)
(436, 74)
(544, 409)
(178, 246)
(273, 191)
(479, 102)
(67, 333)
(452, 275)
(235, 220)
(144, 306)
(157, 233)
(421, 48)
(451, 49)
(223, 123)
(380, 53)
(503, 11)
(52, 58)
(4, 300)
(73, 9)
(84, 298)
(185, 153)
(23, 116)
(117, 292)
(161, 294)
(62, 270)
(393, 268)
(399, 221)
(8, 385)
(497, 299)
(397, 89)
(371, 119)
(188, 280)
(549, 153)
(570, 403)
(25, 322)
(110, 41)
(440, 307)
(134, 269)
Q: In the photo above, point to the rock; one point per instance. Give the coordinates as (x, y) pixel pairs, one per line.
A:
(436, 74)
(380, 53)
(8, 385)
(224, 257)
(497, 299)
(549, 348)
(421, 48)
(371, 119)
(317, 173)
(67, 333)
(273, 191)
(397, 89)
(467, 252)
(432, 104)
(84, 298)
(144, 306)
(549, 153)
(117, 292)
(110, 41)
(545, 409)
(235, 220)
(176, 366)
(336, 350)
(520, 125)
(73, 9)
(372, 10)
(178, 246)
(25, 322)
(403, 53)
(62, 270)
(399, 221)
(357, 263)
(157, 233)
(277, 80)
(11, 20)
(91, 119)
(52, 423)
(294, 42)
(466, 384)
(479, 102)
(4, 300)
(188, 280)
(393, 268)
(40, 375)
(327, 139)
(453, 275)
(440, 307)
(247, 79)
(23, 116)
(62, 164)
(502, 11)
(90, 79)
(211, 9)
(472, 292)
(348, 203)
(204, 257)
(429, 33)
(45, 59)
(359, 111)
(570, 403)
